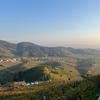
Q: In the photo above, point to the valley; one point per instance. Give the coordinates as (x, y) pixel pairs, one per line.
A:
(27, 69)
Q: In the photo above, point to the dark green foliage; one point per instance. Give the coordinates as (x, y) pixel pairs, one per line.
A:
(33, 74)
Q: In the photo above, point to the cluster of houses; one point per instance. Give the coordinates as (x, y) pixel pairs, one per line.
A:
(17, 85)
(23, 83)
(9, 59)
(20, 84)
(14, 59)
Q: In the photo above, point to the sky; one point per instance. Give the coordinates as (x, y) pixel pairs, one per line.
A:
(74, 23)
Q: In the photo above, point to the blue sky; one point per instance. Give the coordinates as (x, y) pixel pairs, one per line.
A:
(51, 22)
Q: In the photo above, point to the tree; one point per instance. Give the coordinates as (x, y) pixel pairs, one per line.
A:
(46, 73)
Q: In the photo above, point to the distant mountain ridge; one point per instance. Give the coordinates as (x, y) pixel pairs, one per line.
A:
(29, 49)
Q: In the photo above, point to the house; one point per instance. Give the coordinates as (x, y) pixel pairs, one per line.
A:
(5, 88)
(20, 83)
(36, 82)
(32, 83)
(1, 60)
(1, 88)
(28, 84)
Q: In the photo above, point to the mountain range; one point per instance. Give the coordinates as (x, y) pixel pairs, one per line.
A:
(28, 49)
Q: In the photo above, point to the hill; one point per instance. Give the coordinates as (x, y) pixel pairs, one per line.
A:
(28, 49)
(84, 61)
(7, 49)
(40, 70)
(54, 71)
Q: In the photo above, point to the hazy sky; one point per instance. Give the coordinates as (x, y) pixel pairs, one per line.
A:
(51, 22)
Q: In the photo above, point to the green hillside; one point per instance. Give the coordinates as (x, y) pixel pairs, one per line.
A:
(54, 71)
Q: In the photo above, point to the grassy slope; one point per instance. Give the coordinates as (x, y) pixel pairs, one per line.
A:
(33, 70)
(57, 71)
(9, 69)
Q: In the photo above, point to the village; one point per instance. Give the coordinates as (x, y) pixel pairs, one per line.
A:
(21, 84)
(9, 59)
